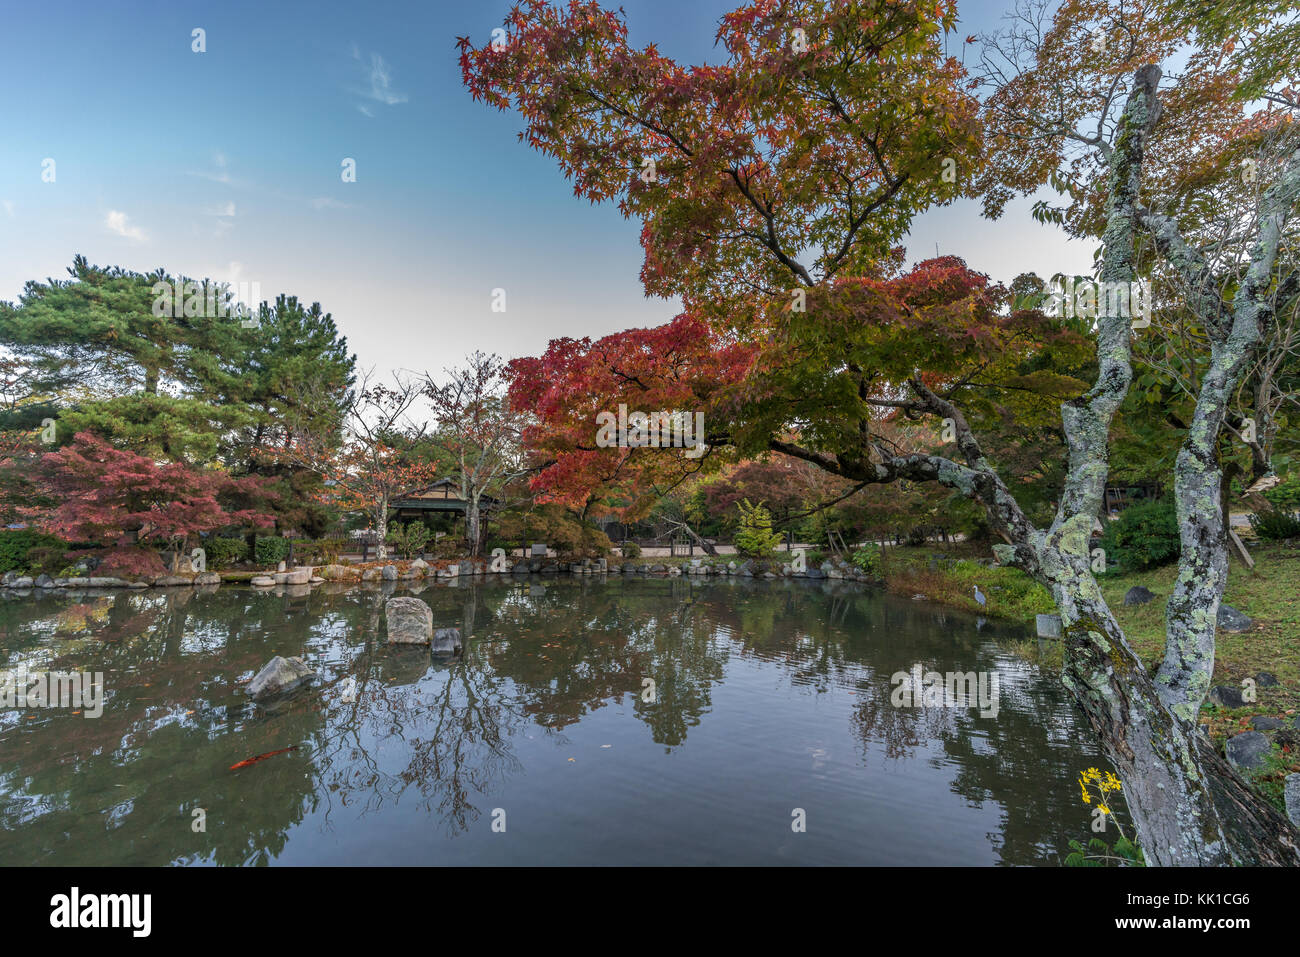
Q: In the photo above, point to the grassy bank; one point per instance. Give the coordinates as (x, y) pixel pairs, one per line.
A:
(951, 575)
(1270, 595)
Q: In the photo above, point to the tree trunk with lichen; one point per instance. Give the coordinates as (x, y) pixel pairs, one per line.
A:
(1188, 806)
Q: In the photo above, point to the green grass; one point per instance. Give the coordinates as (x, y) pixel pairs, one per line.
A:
(1009, 593)
(1270, 595)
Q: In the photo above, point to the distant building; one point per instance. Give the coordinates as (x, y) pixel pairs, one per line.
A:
(441, 497)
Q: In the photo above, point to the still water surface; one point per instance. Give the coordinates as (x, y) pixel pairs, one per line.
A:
(767, 697)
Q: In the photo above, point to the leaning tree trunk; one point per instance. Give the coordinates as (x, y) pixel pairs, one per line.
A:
(1188, 807)
(704, 545)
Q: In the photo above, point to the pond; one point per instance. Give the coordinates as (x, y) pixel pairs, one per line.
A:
(589, 721)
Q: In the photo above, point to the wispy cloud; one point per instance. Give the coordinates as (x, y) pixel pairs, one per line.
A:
(379, 79)
(218, 174)
(328, 202)
(226, 210)
(9, 208)
(118, 222)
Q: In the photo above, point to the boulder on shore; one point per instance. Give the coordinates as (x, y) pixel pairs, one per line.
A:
(1232, 620)
(340, 573)
(1261, 722)
(1138, 595)
(1226, 696)
(261, 581)
(280, 676)
(409, 620)
(1247, 750)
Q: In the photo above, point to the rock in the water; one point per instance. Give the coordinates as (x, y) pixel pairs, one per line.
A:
(1292, 794)
(335, 573)
(207, 578)
(172, 581)
(410, 621)
(371, 575)
(299, 576)
(446, 641)
(262, 581)
(1226, 696)
(1232, 620)
(1247, 750)
(8, 578)
(44, 581)
(280, 676)
(23, 581)
(1262, 723)
(1266, 679)
(1137, 595)
(389, 573)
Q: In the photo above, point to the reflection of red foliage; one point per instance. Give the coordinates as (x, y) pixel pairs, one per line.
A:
(105, 492)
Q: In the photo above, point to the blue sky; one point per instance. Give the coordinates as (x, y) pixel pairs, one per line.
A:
(227, 164)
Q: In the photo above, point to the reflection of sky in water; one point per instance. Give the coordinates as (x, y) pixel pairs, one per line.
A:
(768, 697)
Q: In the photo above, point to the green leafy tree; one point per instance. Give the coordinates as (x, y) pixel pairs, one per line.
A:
(754, 535)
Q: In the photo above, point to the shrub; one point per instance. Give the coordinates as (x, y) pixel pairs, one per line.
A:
(754, 535)
(1144, 536)
(327, 551)
(1274, 525)
(224, 552)
(867, 559)
(409, 540)
(15, 544)
(136, 562)
(317, 551)
(270, 551)
(44, 560)
(631, 550)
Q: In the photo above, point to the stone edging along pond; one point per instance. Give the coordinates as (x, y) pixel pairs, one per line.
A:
(442, 571)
